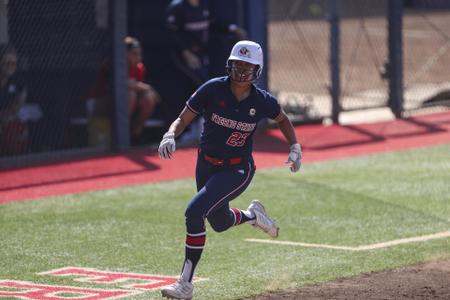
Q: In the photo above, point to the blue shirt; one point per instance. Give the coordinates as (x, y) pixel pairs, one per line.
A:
(230, 124)
(191, 25)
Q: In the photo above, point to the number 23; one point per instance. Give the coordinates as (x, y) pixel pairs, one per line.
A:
(237, 139)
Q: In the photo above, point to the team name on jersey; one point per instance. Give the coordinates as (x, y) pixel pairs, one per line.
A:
(232, 124)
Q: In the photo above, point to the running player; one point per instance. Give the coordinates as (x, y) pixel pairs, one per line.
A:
(232, 106)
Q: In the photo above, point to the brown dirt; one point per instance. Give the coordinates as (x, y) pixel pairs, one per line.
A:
(426, 281)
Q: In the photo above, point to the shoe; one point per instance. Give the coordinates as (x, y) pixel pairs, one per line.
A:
(179, 290)
(263, 221)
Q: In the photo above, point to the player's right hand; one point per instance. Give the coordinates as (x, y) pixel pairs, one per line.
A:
(167, 146)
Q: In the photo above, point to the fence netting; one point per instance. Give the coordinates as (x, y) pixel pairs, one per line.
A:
(58, 46)
(52, 53)
(299, 55)
(426, 43)
(299, 41)
(298, 51)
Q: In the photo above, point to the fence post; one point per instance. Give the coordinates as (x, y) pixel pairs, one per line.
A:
(395, 66)
(121, 135)
(335, 89)
(256, 24)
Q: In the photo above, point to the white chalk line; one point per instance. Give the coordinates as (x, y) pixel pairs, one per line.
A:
(439, 235)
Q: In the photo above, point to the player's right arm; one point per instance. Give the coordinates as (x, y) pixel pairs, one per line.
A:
(167, 146)
(184, 119)
(194, 106)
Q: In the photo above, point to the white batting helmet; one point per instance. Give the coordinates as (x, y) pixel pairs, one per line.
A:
(247, 51)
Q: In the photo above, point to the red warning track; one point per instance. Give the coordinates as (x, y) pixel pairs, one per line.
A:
(319, 143)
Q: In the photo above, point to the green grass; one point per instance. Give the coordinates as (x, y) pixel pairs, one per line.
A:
(346, 202)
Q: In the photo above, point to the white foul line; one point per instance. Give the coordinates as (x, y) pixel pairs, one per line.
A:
(422, 238)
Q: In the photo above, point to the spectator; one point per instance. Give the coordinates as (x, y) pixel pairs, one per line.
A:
(142, 98)
(13, 132)
(190, 22)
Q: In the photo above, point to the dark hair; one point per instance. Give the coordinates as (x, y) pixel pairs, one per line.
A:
(132, 43)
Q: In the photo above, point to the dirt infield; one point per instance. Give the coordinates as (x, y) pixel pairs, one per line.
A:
(427, 281)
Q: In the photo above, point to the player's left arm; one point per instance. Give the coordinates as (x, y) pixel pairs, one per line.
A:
(295, 154)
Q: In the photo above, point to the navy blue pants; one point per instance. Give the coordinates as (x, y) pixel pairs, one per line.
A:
(217, 186)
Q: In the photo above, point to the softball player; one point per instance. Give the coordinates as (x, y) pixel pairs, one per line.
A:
(232, 106)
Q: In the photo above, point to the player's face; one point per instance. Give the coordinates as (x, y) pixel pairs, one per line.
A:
(242, 71)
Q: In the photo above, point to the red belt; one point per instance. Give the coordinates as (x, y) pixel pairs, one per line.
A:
(221, 162)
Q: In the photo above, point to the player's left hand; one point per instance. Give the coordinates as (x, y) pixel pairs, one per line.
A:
(295, 157)
(167, 146)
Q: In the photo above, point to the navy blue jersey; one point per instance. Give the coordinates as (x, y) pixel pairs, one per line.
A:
(230, 124)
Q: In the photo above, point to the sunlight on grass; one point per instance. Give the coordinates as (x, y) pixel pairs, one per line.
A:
(140, 229)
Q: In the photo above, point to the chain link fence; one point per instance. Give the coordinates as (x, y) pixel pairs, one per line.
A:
(299, 41)
(426, 35)
(58, 46)
(299, 50)
(298, 55)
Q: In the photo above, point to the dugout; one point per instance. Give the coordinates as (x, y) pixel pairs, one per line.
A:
(61, 46)
(316, 53)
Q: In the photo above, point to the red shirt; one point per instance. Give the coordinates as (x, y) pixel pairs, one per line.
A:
(137, 72)
(101, 86)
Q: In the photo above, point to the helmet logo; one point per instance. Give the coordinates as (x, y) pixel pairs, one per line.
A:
(244, 52)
